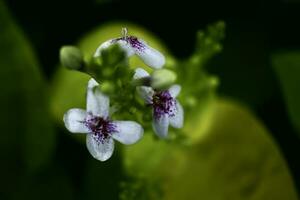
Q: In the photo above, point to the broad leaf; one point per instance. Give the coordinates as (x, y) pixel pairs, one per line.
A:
(287, 68)
(26, 127)
(235, 159)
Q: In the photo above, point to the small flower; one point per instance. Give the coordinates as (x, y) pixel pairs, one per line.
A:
(100, 129)
(133, 45)
(166, 109)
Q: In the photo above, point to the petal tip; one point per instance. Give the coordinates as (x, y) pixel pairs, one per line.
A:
(101, 151)
(140, 73)
(129, 132)
(92, 83)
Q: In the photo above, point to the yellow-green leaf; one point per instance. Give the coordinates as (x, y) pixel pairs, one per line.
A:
(235, 159)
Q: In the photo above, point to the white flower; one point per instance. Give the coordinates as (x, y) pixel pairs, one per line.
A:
(99, 128)
(166, 108)
(133, 45)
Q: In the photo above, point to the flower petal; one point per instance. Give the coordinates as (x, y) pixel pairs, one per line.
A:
(140, 73)
(176, 121)
(97, 102)
(122, 43)
(161, 125)
(101, 150)
(174, 90)
(92, 83)
(145, 93)
(74, 121)
(128, 132)
(150, 56)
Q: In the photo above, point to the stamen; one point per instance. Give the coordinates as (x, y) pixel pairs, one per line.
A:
(132, 40)
(124, 33)
(163, 103)
(100, 127)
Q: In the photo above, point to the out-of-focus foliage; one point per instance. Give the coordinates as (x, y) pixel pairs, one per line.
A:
(199, 87)
(27, 136)
(287, 68)
(236, 159)
(66, 82)
(102, 180)
(51, 183)
(24, 112)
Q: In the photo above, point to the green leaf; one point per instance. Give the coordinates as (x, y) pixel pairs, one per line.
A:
(49, 184)
(235, 159)
(27, 131)
(102, 179)
(287, 68)
(65, 82)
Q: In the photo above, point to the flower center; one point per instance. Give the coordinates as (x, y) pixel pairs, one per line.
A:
(100, 127)
(163, 103)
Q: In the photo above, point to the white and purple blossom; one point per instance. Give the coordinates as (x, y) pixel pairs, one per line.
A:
(166, 108)
(100, 129)
(133, 45)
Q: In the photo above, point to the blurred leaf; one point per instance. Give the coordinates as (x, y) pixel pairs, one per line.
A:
(287, 68)
(52, 183)
(209, 42)
(235, 159)
(26, 127)
(102, 179)
(65, 82)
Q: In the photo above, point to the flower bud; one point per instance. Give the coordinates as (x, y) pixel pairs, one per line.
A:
(107, 87)
(71, 57)
(162, 78)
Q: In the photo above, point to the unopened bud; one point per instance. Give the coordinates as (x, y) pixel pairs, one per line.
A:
(162, 78)
(107, 87)
(71, 57)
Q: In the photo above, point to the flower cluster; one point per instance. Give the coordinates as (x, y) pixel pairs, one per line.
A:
(95, 121)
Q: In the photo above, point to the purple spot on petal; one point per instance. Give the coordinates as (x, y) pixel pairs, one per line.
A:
(163, 103)
(135, 43)
(100, 127)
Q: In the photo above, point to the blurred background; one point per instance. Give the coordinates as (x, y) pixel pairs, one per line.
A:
(259, 67)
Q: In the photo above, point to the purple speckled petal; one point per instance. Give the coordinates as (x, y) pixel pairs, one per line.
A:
(174, 90)
(128, 132)
(132, 45)
(177, 119)
(100, 150)
(140, 73)
(123, 44)
(97, 102)
(74, 121)
(150, 56)
(161, 125)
